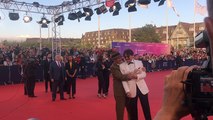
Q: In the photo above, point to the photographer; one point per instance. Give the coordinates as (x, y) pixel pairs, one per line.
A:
(172, 107)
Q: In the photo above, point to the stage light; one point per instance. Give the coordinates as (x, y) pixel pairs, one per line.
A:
(115, 8)
(79, 15)
(36, 4)
(131, 6)
(161, 2)
(144, 2)
(27, 19)
(44, 25)
(72, 16)
(101, 9)
(66, 3)
(88, 13)
(14, 16)
(60, 20)
(75, 1)
(44, 22)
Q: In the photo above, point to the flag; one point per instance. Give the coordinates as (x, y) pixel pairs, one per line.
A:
(200, 9)
(110, 3)
(170, 5)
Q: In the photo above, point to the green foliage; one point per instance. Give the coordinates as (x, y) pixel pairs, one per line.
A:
(146, 34)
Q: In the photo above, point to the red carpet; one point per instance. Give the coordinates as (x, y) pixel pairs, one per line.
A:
(15, 106)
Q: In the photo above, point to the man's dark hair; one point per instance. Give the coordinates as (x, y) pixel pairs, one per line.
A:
(128, 52)
(210, 8)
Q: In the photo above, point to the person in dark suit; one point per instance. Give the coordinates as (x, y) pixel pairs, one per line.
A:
(106, 73)
(30, 77)
(57, 75)
(119, 93)
(71, 70)
(46, 67)
(100, 69)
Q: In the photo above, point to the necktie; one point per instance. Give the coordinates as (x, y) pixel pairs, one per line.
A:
(59, 64)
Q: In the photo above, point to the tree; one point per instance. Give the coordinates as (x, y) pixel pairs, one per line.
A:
(145, 34)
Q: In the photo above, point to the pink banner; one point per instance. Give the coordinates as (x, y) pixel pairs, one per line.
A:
(142, 47)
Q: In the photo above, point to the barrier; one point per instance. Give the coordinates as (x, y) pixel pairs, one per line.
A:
(12, 74)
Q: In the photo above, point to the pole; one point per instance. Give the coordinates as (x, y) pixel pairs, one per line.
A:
(167, 28)
(99, 33)
(130, 32)
(40, 39)
(59, 36)
(194, 26)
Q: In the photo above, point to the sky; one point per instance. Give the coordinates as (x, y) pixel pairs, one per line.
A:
(154, 14)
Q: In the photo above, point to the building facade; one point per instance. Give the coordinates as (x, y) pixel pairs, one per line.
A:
(178, 36)
(106, 37)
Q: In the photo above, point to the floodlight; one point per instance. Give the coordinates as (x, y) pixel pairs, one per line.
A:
(14, 16)
(72, 16)
(66, 3)
(75, 1)
(131, 6)
(60, 19)
(144, 2)
(27, 19)
(88, 13)
(101, 9)
(44, 26)
(161, 2)
(44, 22)
(79, 15)
(115, 8)
(36, 4)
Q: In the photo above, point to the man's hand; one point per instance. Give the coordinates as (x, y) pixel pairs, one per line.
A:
(128, 94)
(132, 75)
(172, 108)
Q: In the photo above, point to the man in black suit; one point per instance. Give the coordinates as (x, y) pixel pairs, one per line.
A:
(57, 75)
(46, 67)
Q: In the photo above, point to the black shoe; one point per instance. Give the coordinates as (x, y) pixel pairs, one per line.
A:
(32, 96)
(53, 99)
(63, 99)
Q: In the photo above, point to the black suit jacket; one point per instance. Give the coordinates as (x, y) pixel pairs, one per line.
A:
(56, 71)
(73, 69)
(46, 67)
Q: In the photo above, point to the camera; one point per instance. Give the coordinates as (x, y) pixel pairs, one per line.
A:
(198, 88)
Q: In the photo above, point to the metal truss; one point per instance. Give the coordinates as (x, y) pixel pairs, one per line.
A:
(66, 6)
(54, 11)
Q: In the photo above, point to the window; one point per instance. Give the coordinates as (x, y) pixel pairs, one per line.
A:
(191, 29)
(201, 28)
